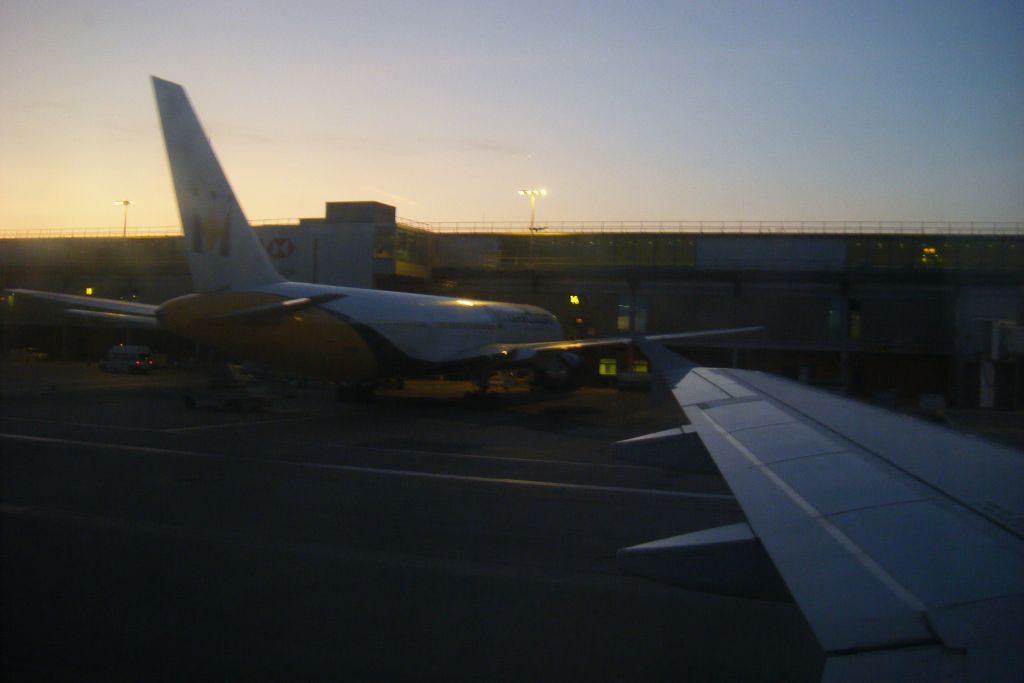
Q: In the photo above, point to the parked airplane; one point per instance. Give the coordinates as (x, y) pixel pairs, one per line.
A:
(901, 541)
(349, 335)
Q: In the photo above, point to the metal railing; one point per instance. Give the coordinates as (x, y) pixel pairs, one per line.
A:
(980, 228)
(991, 228)
(115, 231)
(65, 233)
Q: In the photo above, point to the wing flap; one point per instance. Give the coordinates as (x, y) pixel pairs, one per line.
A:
(890, 533)
(921, 549)
(840, 482)
(989, 481)
(936, 553)
(848, 602)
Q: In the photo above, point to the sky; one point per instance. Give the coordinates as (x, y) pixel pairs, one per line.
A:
(639, 110)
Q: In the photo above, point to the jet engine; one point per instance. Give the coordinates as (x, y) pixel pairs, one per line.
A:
(559, 371)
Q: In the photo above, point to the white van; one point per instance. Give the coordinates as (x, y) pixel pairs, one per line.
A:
(123, 358)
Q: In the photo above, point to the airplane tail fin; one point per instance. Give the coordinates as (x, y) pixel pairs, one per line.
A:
(223, 251)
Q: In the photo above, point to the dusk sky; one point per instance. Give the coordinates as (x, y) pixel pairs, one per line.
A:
(622, 110)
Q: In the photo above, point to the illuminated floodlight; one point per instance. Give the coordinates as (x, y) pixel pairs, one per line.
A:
(125, 203)
(533, 194)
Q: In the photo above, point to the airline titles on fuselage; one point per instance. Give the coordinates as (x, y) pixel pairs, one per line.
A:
(521, 317)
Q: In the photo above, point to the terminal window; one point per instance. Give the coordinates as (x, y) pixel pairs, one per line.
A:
(930, 256)
(635, 308)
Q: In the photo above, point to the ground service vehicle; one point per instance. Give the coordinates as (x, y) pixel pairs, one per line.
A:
(122, 358)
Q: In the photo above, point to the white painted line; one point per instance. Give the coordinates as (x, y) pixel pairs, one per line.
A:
(241, 423)
(499, 458)
(65, 423)
(660, 493)
(115, 446)
(527, 482)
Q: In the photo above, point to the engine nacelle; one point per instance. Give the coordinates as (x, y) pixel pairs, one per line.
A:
(557, 371)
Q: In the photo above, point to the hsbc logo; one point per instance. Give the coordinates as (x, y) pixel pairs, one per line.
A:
(279, 247)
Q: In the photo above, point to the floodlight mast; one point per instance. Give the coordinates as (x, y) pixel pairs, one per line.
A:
(533, 194)
(125, 203)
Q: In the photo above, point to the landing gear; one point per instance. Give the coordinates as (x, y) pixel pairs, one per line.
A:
(482, 395)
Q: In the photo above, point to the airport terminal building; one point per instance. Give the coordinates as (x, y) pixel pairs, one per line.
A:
(887, 311)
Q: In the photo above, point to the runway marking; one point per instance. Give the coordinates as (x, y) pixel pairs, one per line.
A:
(242, 423)
(380, 449)
(658, 493)
(174, 430)
(527, 482)
(117, 446)
(6, 418)
(502, 458)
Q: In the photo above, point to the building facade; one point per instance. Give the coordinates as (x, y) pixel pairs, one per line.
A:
(879, 310)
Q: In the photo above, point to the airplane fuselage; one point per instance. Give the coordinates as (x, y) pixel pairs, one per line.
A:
(247, 310)
(358, 337)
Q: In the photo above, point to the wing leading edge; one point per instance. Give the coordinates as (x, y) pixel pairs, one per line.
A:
(525, 350)
(901, 541)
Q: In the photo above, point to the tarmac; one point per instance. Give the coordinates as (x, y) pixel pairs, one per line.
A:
(423, 536)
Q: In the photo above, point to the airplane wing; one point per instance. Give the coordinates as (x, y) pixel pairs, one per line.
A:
(116, 311)
(901, 541)
(277, 309)
(134, 314)
(526, 350)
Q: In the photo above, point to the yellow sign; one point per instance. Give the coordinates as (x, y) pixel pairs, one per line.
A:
(574, 300)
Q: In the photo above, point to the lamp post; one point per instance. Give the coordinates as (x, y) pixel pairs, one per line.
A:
(533, 194)
(125, 203)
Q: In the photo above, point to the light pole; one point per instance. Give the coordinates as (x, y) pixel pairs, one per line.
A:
(533, 194)
(125, 203)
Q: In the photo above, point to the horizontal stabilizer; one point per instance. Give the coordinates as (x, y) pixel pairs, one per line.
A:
(277, 308)
(674, 449)
(88, 302)
(95, 309)
(727, 560)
